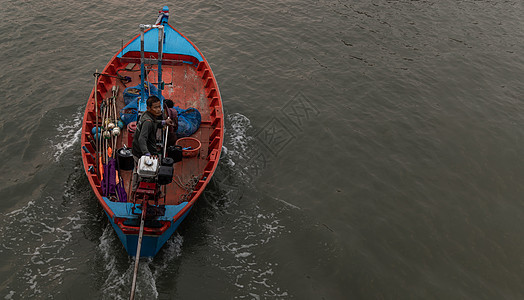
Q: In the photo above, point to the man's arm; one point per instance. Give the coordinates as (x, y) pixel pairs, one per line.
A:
(144, 132)
(163, 123)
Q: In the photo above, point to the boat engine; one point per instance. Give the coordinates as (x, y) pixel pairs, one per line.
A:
(152, 170)
(147, 168)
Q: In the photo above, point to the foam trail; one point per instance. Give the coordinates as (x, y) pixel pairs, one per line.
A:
(119, 273)
(68, 135)
(286, 203)
(238, 139)
(237, 255)
(44, 256)
(242, 154)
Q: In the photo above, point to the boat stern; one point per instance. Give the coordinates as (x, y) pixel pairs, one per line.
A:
(157, 230)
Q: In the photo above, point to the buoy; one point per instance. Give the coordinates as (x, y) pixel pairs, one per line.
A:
(116, 131)
(107, 134)
(93, 131)
(110, 126)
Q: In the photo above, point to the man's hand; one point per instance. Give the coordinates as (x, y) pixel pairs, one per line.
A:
(170, 122)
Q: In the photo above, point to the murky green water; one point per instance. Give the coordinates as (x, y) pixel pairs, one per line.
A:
(373, 151)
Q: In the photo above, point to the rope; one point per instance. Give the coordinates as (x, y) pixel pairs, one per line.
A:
(189, 187)
(123, 79)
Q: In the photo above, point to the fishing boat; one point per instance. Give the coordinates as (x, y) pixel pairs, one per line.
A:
(158, 61)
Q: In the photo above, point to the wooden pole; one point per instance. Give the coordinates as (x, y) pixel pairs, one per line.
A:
(101, 142)
(97, 126)
(138, 248)
(165, 155)
(115, 118)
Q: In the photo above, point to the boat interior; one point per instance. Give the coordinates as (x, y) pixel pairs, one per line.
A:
(188, 85)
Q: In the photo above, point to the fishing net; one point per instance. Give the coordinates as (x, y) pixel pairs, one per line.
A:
(188, 121)
(129, 113)
(132, 95)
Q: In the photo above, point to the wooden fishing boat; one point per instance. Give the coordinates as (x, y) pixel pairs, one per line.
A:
(160, 58)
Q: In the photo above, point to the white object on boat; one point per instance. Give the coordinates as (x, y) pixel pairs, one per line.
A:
(147, 166)
(116, 131)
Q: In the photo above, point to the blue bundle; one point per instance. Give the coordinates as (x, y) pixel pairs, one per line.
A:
(132, 95)
(188, 121)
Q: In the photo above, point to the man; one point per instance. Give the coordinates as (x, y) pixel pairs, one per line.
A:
(144, 140)
(173, 115)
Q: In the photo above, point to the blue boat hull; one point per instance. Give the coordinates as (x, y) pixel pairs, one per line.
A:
(151, 244)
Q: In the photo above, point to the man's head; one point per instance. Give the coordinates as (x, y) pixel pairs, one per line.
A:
(153, 106)
(169, 103)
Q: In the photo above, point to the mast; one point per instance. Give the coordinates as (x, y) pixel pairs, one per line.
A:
(142, 104)
(143, 60)
(160, 49)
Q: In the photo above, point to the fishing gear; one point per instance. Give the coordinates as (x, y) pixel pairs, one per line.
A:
(123, 79)
(96, 124)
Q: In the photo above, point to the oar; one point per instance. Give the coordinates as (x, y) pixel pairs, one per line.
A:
(138, 248)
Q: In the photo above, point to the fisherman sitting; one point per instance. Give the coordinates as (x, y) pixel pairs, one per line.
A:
(144, 140)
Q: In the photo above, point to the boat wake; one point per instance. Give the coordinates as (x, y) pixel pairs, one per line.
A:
(67, 136)
(118, 267)
(238, 138)
(243, 155)
(39, 245)
(42, 237)
(238, 249)
(241, 256)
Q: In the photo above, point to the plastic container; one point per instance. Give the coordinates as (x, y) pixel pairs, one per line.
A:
(175, 152)
(131, 128)
(165, 175)
(167, 161)
(190, 146)
(125, 159)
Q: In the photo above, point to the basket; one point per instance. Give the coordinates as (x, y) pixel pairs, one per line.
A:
(190, 146)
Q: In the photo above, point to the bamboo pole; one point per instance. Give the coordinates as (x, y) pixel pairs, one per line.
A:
(138, 248)
(97, 126)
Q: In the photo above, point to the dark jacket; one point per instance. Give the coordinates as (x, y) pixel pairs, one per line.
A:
(144, 140)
